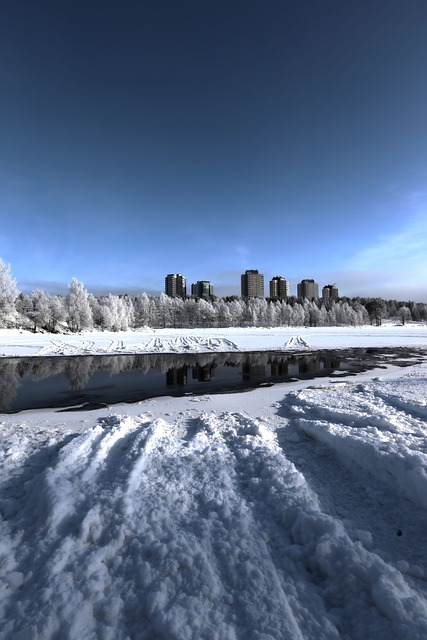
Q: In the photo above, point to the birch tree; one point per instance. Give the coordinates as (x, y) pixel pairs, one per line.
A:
(79, 314)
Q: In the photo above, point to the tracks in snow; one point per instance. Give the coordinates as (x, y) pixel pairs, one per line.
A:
(198, 527)
(179, 344)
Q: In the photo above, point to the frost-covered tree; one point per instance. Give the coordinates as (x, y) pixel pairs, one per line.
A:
(205, 313)
(79, 314)
(8, 295)
(96, 310)
(223, 314)
(376, 309)
(39, 314)
(119, 313)
(57, 313)
(298, 315)
(141, 306)
(404, 314)
(237, 309)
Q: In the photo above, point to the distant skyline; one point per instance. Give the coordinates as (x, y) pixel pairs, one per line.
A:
(207, 138)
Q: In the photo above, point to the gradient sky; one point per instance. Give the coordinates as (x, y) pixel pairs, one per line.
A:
(210, 137)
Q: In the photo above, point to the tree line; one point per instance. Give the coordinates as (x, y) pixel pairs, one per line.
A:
(80, 310)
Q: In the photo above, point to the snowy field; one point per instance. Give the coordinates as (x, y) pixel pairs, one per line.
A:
(25, 343)
(288, 512)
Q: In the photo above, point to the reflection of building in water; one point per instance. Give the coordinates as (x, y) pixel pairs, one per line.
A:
(203, 374)
(331, 362)
(176, 376)
(279, 367)
(252, 371)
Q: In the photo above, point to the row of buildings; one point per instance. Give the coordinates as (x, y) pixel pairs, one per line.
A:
(251, 286)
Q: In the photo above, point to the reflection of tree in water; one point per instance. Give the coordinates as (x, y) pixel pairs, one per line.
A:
(113, 365)
(180, 368)
(78, 371)
(9, 383)
(41, 368)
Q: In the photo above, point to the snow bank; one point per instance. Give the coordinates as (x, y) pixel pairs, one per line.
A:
(383, 434)
(20, 343)
(197, 524)
(286, 512)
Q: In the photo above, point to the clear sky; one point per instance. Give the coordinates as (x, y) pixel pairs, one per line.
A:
(208, 137)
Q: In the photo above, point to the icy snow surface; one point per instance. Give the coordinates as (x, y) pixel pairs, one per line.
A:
(26, 343)
(287, 512)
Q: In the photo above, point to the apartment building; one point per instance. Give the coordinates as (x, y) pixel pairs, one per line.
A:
(252, 284)
(308, 288)
(202, 289)
(330, 293)
(279, 288)
(176, 285)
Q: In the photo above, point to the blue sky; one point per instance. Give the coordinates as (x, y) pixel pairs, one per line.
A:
(207, 138)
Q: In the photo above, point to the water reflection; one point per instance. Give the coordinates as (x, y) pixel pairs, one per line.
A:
(43, 382)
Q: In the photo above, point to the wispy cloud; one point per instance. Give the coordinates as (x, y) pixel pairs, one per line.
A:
(402, 254)
(242, 251)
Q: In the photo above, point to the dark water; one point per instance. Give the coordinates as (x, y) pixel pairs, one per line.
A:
(94, 381)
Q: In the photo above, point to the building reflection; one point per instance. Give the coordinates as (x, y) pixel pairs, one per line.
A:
(203, 373)
(176, 377)
(56, 381)
(253, 371)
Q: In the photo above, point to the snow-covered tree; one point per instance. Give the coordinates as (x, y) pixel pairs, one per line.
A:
(404, 314)
(222, 312)
(79, 314)
(8, 295)
(96, 310)
(376, 310)
(39, 314)
(205, 313)
(141, 305)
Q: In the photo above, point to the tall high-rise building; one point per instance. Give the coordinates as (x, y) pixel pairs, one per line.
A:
(176, 285)
(279, 288)
(308, 289)
(202, 289)
(252, 284)
(329, 293)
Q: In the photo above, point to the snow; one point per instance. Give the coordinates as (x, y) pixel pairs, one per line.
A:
(296, 511)
(15, 342)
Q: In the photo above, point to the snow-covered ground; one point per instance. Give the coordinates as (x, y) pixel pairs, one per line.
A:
(26, 343)
(289, 512)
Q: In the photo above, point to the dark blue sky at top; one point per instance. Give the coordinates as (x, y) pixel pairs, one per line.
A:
(206, 138)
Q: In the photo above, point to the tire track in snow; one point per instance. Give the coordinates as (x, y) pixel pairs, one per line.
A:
(198, 528)
(380, 438)
(363, 455)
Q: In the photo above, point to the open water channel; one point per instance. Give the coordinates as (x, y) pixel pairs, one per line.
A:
(94, 381)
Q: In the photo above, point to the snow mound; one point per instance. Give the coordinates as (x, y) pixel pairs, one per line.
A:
(198, 527)
(379, 428)
(178, 344)
(184, 344)
(296, 342)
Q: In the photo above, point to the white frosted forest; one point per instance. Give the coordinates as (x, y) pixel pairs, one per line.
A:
(81, 310)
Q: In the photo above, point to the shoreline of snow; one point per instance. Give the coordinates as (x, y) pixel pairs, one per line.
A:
(249, 515)
(291, 511)
(20, 343)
